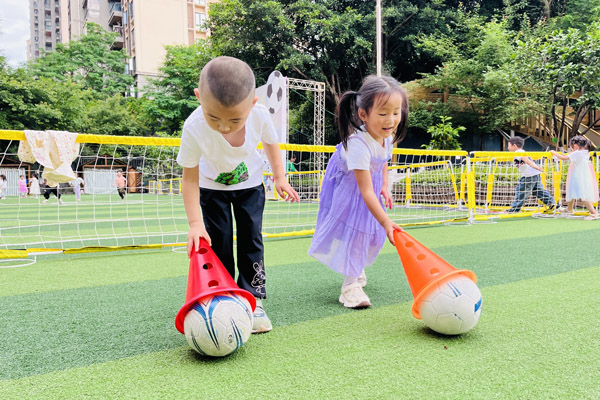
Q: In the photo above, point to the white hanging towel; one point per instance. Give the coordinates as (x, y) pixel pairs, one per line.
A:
(55, 150)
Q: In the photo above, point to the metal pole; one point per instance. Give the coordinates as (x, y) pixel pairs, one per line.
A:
(378, 34)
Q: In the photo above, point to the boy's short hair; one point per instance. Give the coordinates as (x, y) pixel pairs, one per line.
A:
(517, 141)
(229, 80)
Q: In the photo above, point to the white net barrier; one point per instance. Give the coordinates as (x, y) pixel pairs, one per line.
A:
(427, 187)
(101, 216)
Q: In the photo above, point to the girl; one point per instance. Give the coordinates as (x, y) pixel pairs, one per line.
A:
(581, 181)
(352, 223)
(3, 186)
(22, 186)
(34, 186)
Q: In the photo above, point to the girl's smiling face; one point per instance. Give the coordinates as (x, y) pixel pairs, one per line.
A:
(384, 118)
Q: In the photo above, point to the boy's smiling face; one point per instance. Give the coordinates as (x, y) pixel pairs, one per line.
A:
(225, 120)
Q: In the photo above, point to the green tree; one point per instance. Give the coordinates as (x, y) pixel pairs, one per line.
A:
(477, 75)
(561, 73)
(43, 103)
(170, 99)
(444, 136)
(88, 61)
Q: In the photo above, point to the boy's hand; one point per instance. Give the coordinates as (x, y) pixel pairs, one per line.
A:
(387, 200)
(286, 191)
(197, 231)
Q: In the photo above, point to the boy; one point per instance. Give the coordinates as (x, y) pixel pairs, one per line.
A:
(530, 181)
(222, 169)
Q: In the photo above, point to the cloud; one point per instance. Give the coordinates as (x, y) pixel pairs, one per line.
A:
(14, 30)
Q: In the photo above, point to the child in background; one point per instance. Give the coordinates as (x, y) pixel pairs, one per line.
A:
(34, 186)
(48, 190)
(22, 186)
(3, 187)
(223, 170)
(530, 181)
(351, 223)
(76, 183)
(120, 183)
(581, 180)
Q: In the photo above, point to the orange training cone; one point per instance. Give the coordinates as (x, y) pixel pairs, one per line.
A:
(424, 269)
(207, 276)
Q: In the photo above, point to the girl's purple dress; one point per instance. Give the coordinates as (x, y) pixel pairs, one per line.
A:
(347, 237)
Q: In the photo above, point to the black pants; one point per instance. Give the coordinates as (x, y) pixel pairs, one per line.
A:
(248, 206)
(51, 190)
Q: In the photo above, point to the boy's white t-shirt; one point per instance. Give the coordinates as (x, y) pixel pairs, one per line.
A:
(359, 153)
(524, 169)
(222, 166)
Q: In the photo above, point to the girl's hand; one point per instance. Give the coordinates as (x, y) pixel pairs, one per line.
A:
(390, 227)
(286, 191)
(197, 231)
(387, 200)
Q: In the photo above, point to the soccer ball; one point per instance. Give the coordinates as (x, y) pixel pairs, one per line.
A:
(217, 325)
(275, 91)
(452, 307)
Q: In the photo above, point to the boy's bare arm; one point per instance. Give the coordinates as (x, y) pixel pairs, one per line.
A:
(191, 201)
(284, 189)
(530, 162)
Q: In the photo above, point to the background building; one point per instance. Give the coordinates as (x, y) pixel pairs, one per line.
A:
(45, 32)
(145, 27)
(150, 25)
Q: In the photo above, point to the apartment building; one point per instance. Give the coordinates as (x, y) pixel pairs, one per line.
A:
(149, 25)
(45, 33)
(145, 27)
(79, 12)
(60, 21)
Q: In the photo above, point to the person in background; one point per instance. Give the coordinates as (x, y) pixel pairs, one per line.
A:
(34, 186)
(77, 183)
(48, 190)
(120, 183)
(530, 182)
(3, 187)
(581, 180)
(289, 165)
(22, 186)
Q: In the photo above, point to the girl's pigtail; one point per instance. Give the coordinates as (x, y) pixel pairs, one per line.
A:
(346, 112)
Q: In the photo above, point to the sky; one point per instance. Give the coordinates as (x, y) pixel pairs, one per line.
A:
(14, 30)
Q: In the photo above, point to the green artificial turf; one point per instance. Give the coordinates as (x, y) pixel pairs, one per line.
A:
(535, 340)
(101, 325)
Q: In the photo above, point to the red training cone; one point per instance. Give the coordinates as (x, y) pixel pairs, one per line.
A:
(207, 276)
(424, 269)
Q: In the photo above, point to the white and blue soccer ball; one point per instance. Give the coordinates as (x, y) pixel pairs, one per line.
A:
(452, 307)
(218, 325)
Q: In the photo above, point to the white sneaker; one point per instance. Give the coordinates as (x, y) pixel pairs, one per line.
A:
(59, 201)
(261, 323)
(353, 296)
(362, 279)
(45, 201)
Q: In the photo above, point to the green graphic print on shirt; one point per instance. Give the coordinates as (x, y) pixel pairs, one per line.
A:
(238, 175)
